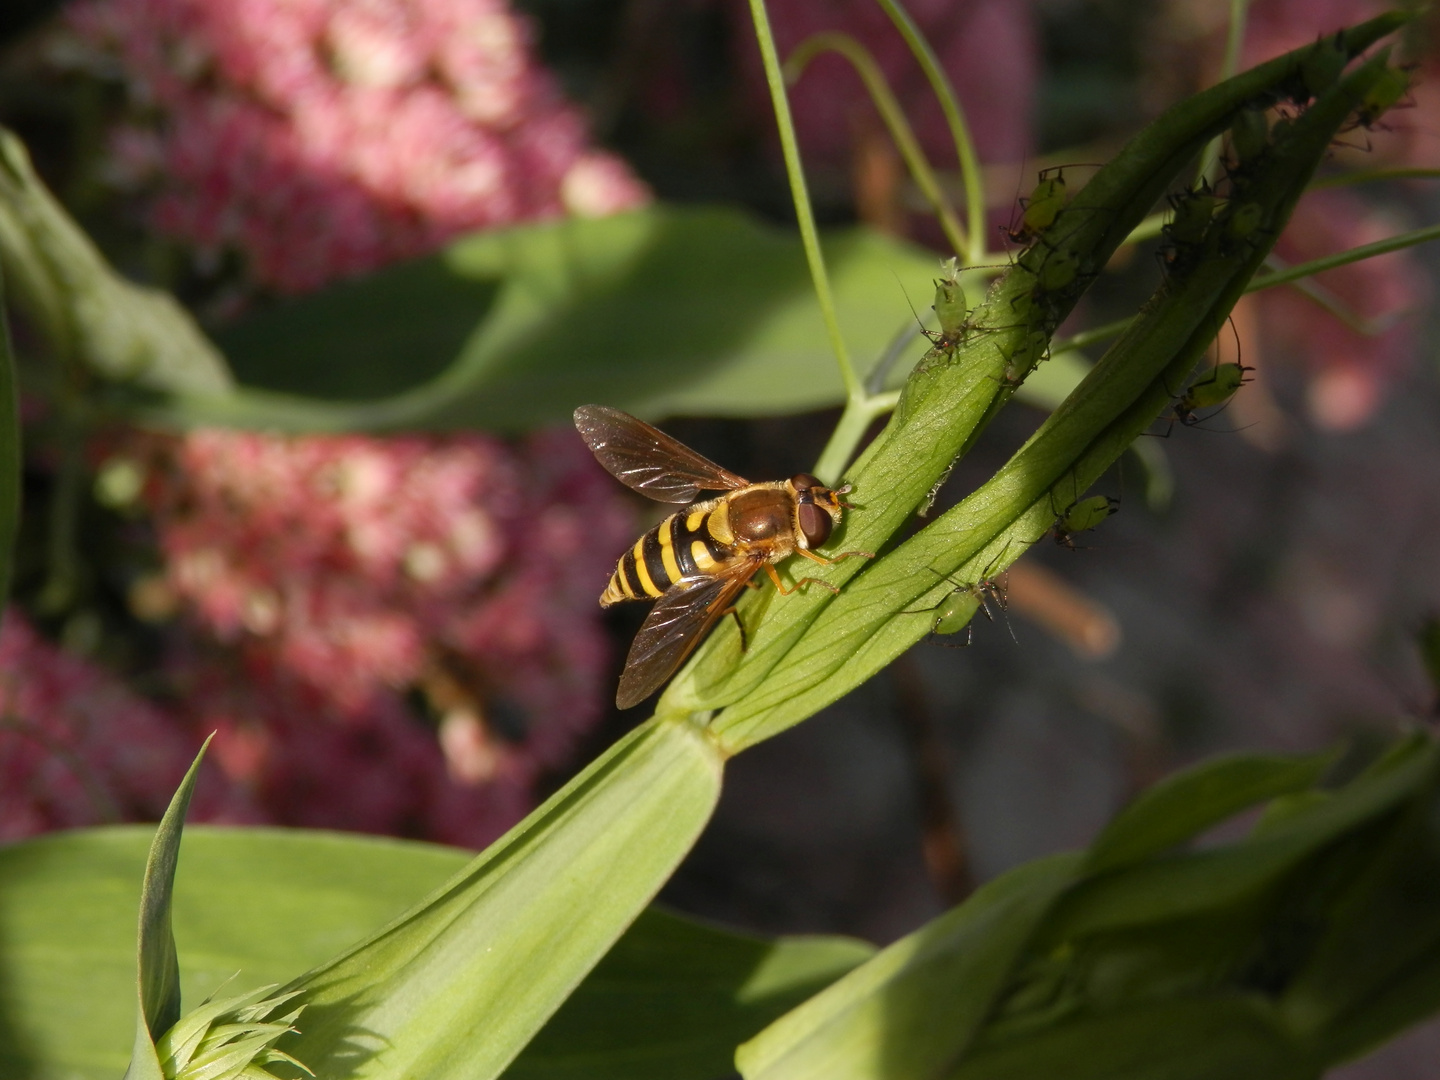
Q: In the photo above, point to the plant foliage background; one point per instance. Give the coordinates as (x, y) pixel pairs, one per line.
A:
(389, 619)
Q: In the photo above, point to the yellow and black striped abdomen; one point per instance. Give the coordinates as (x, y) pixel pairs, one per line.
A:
(692, 543)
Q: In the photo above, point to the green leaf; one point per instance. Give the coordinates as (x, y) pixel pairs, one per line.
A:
(459, 985)
(659, 311)
(1181, 886)
(1235, 1036)
(1376, 967)
(254, 905)
(10, 452)
(1189, 802)
(916, 1006)
(88, 312)
(158, 969)
(673, 999)
(263, 903)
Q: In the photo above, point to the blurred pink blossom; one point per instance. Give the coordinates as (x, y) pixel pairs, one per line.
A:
(1349, 371)
(324, 138)
(77, 747)
(989, 48)
(359, 568)
(1273, 27)
(285, 746)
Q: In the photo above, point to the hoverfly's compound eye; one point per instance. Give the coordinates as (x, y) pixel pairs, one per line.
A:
(804, 482)
(815, 524)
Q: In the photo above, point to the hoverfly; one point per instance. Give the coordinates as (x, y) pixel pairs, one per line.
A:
(695, 561)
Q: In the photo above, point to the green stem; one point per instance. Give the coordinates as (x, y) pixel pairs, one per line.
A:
(895, 121)
(859, 414)
(1367, 176)
(1092, 336)
(970, 174)
(1322, 297)
(800, 193)
(1269, 280)
(1344, 258)
(1234, 42)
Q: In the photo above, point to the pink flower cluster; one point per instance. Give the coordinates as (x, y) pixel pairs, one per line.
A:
(324, 138)
(345, 571)
(76, 746)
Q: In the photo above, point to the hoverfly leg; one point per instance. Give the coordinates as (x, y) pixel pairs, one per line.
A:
(823, 561)
(780, 585)
(734, 612)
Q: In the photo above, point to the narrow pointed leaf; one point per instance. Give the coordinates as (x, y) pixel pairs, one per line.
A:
(158, 969)
(1191, 801)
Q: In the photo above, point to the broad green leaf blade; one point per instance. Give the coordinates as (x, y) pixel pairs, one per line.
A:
(1236, 1037)
(458, 986)
(88, 312)
(673, 999)
(158, 968)
(916, 1006)
(659, 311)
(1189, 802)
(253, 905)
(10, 452)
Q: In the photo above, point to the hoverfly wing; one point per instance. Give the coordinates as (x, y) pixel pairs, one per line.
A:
(647, 460)
(675, 624)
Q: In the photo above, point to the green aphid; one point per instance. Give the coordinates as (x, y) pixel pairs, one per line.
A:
(1040, 210)
(1392, 85)
(1245, 220)
(1249, 134)
(1214, 390)
(1322, 65)
(1083, 516)
(1193, 211)
(950, 306)
(954, 612)
(1058, 271)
